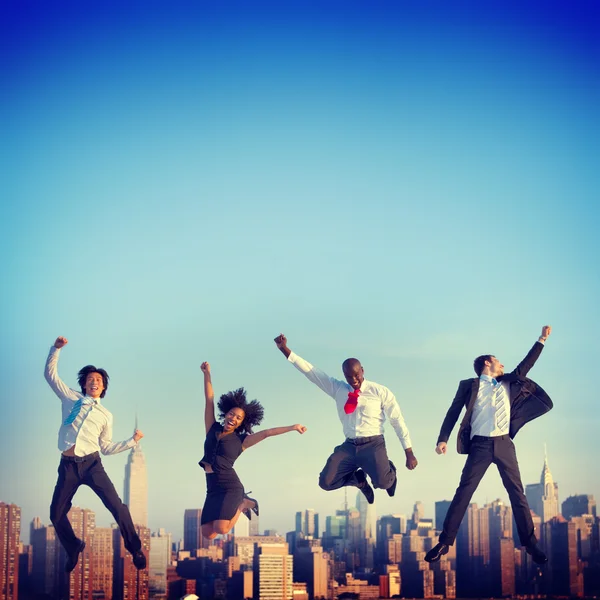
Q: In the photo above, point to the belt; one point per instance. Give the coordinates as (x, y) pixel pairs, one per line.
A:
(363, 440)
(80, 459)
(482, 438)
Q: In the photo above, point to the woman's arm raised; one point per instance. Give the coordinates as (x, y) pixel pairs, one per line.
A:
(209, 395)
(254, 438)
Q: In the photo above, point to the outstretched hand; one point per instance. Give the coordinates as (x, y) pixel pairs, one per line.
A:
(60, 342)
(546, 331)
(281, 341)
(205, 368)
(300, 428)
(137, 435)
(441, 448)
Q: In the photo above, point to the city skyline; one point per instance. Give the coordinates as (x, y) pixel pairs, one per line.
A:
(411, 185)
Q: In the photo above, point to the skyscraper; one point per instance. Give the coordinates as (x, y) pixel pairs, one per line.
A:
(274, 568)
(441, 508)
(307, 522)
(10, 533)
(102, 563)
(45, 567)
(83, 522)
(192, 532)
(367, 532)
(160, 558)
(575, 506)
(136, 485)
(128, 582)
(543, 496)
(311, 566)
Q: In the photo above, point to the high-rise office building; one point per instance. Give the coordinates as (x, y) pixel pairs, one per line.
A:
(502, 555)
(102, 563)
(242, 527)
(136, 485)
(307, 522)
(10, 533)
(311, 566)
(46, 561)
(581, 504)
(543, 496)
(273, 566)
(159, 560)
(473, 553)
(564, 576)
(387, 527)
(367, 532)
(192, 531)
(441, 509)
(128, 582)
(79, 581)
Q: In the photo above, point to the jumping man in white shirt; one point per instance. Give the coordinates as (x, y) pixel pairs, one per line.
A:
(362, 407)
(86, 430)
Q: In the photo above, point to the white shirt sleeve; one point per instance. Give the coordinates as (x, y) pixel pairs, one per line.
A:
(393, 413)
(54, 381)
(107, 446)
(328, 384)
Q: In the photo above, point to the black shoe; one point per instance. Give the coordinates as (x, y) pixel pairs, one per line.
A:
(436, 552)
(254, 509)
(364, 487)
(537, 555)
(139, 560)
(392, 489)
(73, 558)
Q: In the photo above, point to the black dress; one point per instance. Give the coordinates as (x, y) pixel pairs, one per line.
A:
(224, 490)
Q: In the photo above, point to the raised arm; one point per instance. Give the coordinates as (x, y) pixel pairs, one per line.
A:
(328, 384)
(63, 391)
(254, 438)
(394, 414)
(107, 446)
(209, 395)
(527, 363)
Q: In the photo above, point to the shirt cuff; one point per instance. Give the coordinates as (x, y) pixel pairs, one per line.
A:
(131, 443)
(406, 443)
(292, 357)
(541, 341)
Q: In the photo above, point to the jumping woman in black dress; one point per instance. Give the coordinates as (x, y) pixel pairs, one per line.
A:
(225, 497)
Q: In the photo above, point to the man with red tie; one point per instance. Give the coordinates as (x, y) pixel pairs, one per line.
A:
(362, 407)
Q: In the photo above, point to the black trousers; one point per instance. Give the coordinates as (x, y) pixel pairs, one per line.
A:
(368, 454)
(483, 452)
(88, 470)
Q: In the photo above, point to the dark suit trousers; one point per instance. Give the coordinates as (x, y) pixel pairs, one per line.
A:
(368, 454)
(88, 471)
(485, 451)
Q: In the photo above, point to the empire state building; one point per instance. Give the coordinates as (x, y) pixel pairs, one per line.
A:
(136, 485)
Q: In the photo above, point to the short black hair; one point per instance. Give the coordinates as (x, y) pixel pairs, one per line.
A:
(479, 362)
(82, 376)
(253, 410)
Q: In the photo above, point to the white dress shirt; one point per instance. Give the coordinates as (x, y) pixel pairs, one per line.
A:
(91, 431)
(492, 400)
(375, 402)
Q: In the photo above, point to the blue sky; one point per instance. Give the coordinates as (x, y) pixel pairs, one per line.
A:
(413, 184)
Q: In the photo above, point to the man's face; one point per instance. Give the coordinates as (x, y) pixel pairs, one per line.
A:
(94, 385)
(496, 367)
(354, 374)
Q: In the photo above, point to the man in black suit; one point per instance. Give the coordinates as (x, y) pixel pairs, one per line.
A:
(497, 406)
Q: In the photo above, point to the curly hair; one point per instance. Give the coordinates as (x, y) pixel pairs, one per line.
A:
(253, 410)
(82, 376)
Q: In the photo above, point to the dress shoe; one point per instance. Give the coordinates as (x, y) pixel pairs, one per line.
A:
(139, 560)
(254, 509)
(436, 552)
(73, 558)
(392, 489)
(537, 555)
(364, 487)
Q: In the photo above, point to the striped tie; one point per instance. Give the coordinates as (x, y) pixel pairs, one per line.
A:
(77, 409)
(501, 412)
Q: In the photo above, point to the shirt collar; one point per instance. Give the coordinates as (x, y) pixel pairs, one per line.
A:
(486, 378)
(89, 400)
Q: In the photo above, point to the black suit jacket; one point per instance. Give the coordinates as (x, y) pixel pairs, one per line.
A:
(527, 402)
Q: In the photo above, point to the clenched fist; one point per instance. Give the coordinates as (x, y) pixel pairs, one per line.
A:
(60, 342)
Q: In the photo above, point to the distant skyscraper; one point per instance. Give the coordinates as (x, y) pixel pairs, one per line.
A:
(575, 506)
(387, 527)
(441, 508)
(45, 567)
(368, 531)
(311, 566)
(102, 563)
(563, 575)
(543, 497)
(502, 554)
(128, 582)
(253, 523)
(307, 522)
(242, 527)
(473, 553)
(10, 533)
(418, 514)
(273, 566)
(160, 558)
(83, 522)
(192, 532)
(136, 485)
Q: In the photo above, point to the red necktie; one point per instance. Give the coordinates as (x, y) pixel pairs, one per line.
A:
(352, 401)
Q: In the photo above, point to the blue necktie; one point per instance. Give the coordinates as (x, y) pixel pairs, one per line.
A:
(77, 409)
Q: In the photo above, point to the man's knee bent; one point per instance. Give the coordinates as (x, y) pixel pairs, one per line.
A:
(326, 483)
